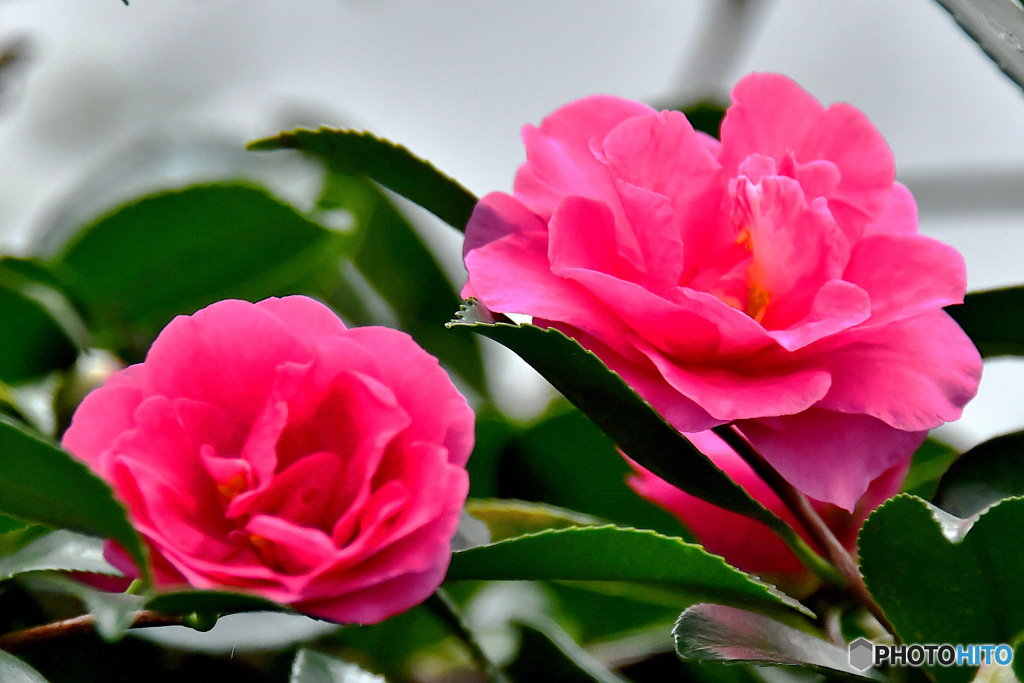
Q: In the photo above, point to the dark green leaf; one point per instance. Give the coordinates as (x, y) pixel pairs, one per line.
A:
(547, 652)
(393, 259)
(619, 411)
(941, 579)
(716, 633)
(13, 670)
(135, 268)
(992, 320)
(998, 27)
(511, 518)
(58, 550)
(930, 462)
(983, 476)
(615, 554)
(41, 483)
(565, 460)
(706, 116)
(311, 666)
(33, 343)
(211, 603)
(391, 165)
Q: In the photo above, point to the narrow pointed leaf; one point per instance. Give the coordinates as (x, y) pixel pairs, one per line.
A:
(618, 410)
(998, 27)
(616, 554)
(992, 320)
(511, 518)
(391, 165)
(716, 633)
(547, 652)
(42, 483)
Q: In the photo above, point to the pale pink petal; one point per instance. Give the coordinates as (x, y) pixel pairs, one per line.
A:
(836, 307)
(899, 215)
(831, 457)
(914, 374)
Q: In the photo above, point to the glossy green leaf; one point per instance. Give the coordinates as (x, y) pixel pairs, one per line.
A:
(990, 321)
(58, 550)
(33, 342)
(13, 670)
(998, 27)
(41, 483)
(389, 253)
(716, 633)
(391, 165)
(311, 666)
(565, 460)
(616, 554)
(135, 268)
(941, 579)
(983, 476)
(511, 518)
(618, 410)
(930, 462)
(211, 602)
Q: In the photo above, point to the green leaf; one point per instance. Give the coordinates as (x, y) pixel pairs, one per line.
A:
(565, 460)
(33, 343)
(547, 652)
(135, 268)
(391, 165)
(617, 554)
(391, 256)
(113, 613)
(983, 476)
(214, 603)
(41, 483)
(998, 27)
(13, 670)
(619, 411)
(988, 319)
(941, 579)
(511, 518)
(930, 462)
(58, 550)
(311, 666)
(716, 633)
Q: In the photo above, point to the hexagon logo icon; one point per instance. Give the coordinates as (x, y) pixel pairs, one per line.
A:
(862, 654)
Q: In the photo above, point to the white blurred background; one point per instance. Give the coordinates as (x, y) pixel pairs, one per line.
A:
(455, 80)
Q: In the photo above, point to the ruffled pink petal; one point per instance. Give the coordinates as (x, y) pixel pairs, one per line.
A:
(769, 115)
(377, 602)
(583, 234)
(103, 415)
(506, 253)
(836, 307)
(906, 275)
(307, 318)
(438, 412)
(560, 161)
(289, 546)
(226, 355)
(899, 216)
(738, 391)
(913, 374)
(829, 456)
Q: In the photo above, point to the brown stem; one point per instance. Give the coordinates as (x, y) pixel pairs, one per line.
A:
(809, 519)
(17, 640)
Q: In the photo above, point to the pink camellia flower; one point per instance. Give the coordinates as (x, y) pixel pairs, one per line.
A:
(775, 280)
(268, 449)
(748, 544)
